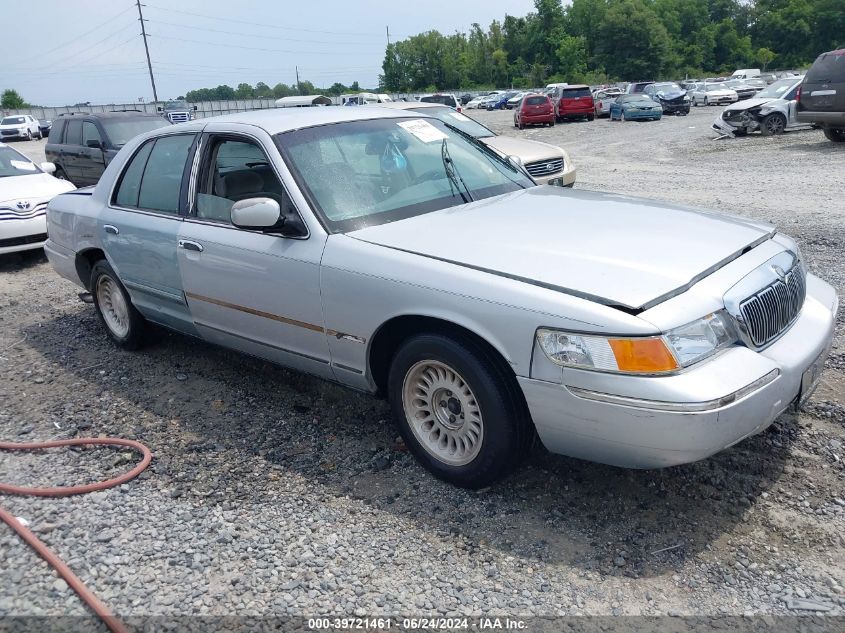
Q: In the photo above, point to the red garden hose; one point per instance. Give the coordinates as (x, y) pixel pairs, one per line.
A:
(35, 543)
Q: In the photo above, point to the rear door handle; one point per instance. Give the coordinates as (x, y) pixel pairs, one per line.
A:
(188, 245)
(109, 228)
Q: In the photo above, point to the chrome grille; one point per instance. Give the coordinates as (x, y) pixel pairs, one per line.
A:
(544, 167)
(771, 310)
(178, 117)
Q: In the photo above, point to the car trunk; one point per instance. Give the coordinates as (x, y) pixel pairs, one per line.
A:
(576, 101)
(823, 89)
(537, 107)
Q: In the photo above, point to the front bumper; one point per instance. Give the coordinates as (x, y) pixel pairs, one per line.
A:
(743, 121)
(644, 435)
(22, 235)
(633, 115)
(565, 178)
(675, 108)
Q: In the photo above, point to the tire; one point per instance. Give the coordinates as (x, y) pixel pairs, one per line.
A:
(622, 116)
(773, 124)
(123, 323)
(28, 135)
(591, 117)
(60, 174)
(40, 134)
(837, 135)
(706, 101)
(521, 125)
(435, 379)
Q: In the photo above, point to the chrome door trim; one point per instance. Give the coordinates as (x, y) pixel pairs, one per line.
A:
(163, 294)
(322, 361)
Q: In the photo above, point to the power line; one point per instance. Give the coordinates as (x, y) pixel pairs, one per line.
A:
(249, 48)
(78, 37)
(264, 24)
(266, 37)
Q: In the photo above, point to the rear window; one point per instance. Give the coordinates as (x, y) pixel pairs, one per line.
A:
(828, 68)
(572, 93)
(536, 100)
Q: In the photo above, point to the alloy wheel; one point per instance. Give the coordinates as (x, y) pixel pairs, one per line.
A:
(113, 306)
(442, 412)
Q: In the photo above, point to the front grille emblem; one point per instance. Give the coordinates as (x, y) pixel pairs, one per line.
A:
(23, 205)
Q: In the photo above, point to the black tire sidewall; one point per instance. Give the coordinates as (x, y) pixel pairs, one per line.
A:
(502, 418)
(135, 336)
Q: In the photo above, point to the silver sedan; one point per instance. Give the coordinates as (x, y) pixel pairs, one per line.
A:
(395, 254)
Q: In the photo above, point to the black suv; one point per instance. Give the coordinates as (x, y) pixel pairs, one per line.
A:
(822, 96)
(82, 144)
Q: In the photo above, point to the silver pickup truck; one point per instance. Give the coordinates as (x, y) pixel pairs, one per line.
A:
(395, 254)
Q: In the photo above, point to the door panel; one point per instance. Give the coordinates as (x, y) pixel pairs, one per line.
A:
(256, 292)
(91, 162)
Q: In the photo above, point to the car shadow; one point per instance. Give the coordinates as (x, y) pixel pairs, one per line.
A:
(199, 406)
(22, 260)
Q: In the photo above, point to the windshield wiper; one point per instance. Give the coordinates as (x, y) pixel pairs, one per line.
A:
(454, 176)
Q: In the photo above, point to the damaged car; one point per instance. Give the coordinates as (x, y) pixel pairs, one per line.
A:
(671, 97)
(771, 112)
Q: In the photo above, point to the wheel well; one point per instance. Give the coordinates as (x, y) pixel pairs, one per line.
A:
(85, 262)
(394, 332)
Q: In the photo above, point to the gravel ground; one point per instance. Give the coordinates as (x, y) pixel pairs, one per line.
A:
(275, 493)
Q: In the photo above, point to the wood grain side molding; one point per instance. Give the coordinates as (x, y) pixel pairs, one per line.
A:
(277, 317)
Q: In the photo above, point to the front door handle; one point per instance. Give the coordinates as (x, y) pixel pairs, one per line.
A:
(188, 245)
(109, 228)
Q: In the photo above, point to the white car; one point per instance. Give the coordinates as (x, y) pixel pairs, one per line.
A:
(25, 190)
(603, 99)
(19, 126)
(713, 94)
(514, 100)
(772, 111)
(475, 102)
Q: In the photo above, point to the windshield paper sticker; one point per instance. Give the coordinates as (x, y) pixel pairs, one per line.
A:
(423, 130)
(20, 164)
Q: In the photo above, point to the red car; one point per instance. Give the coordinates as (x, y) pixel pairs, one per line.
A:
(574, 102)
(534, 109)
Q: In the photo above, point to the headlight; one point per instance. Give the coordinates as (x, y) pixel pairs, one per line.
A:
(697, 340)
(678, 348)
(686, 98)
(644, 355)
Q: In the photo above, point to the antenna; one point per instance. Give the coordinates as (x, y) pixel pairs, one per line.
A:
(147, 49)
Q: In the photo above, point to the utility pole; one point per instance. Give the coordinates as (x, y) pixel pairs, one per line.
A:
(147, 49)
(298, 86)
(387, 28)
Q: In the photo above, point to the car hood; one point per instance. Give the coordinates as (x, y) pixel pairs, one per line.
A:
(749, 103)
(671, 94)
(624, 252)
(13, 126)
(36, 186)
(528, 151)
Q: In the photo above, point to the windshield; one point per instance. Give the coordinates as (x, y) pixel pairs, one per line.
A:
(635, 99)
(176, 105)
(14, 164)
(364, 173)
(121, 131)
(714, 87)
(12, 120)
(444, 99)
(666, 86)
(456, 119)
(777, 89)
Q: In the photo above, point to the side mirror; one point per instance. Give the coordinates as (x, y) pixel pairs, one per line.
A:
(48, 168)
(160, 109)
(94, 144)
(195, 107)
(256, 213)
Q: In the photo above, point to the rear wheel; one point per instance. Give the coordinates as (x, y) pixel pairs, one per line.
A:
(837, 135)
(60, 173)
(124, 324)
(457, 411)
(622, 116)
(29, 135)
(773, 124)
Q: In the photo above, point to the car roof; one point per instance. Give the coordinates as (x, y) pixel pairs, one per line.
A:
(571, 86)
(410, 105)
(276, 120)
(111, 115)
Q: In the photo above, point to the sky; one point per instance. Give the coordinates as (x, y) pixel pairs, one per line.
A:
(92, 50)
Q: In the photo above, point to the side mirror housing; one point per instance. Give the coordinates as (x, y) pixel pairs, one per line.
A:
(94, 144)
(159, 108)
(195, 108)
(256, 213)
(48, 168)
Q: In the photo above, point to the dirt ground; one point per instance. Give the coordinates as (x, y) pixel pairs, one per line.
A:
(276, 493)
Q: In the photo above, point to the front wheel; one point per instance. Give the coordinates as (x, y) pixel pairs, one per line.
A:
(458, 412)
(124, 324)
(837, 135)
(773, 124)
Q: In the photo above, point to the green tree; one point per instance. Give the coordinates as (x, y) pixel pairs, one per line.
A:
(262, 91)
(633, 43)
(764, 56)
(244, 91)
(11, 100)
(572, 57)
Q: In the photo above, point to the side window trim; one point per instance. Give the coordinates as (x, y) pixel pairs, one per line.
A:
(180, 215)
(206, 151)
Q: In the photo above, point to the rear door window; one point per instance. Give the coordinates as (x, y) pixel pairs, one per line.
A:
(74, 132)
(162, 180)
(130, 182)
(56, 131)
